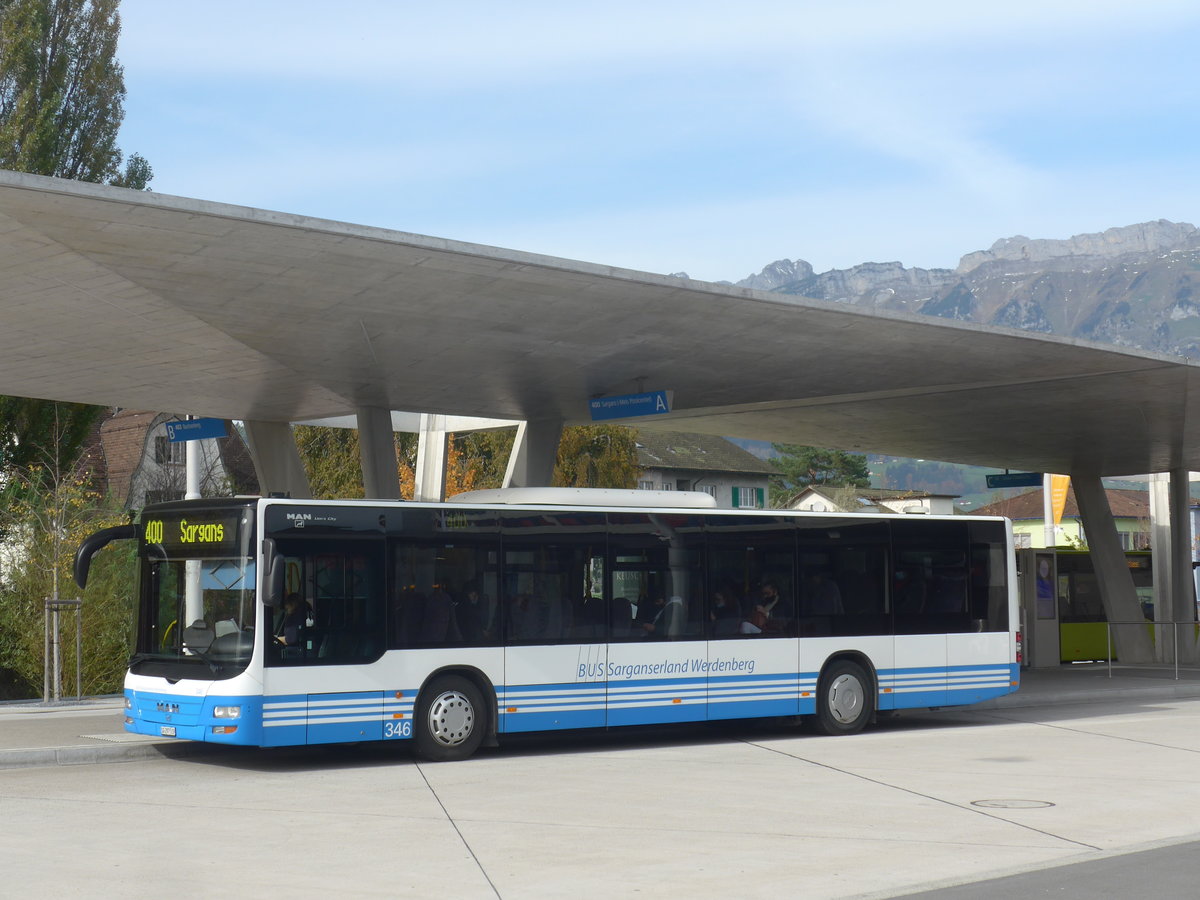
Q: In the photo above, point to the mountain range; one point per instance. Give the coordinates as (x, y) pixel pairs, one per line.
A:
(1135, 286)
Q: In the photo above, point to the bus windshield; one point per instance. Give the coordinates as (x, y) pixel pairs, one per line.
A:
(196, 592)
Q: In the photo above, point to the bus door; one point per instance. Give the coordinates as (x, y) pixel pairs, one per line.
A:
(754, 615)
(842, 573)
(330, 624)
(930, 577)
(554, 621)
(657, 655)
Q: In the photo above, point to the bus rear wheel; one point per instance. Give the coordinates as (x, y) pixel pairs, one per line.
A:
(451, 719)
(845, 699)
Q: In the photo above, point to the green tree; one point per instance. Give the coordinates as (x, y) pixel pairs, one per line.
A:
(597, 456)
(62, 92)
(331, 461)
(588, 456)
(801, 466)
(62, 96)
(48, 506)
(32, 429)
(487, 453)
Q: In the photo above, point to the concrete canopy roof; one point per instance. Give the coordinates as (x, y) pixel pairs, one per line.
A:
(144, 300)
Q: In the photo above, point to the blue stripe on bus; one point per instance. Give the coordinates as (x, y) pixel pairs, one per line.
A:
(369, 715)
(910, 688)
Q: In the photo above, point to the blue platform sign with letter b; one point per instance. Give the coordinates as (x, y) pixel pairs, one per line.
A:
(653, 403)
(195, 429)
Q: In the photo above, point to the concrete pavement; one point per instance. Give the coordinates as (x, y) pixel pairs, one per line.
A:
(1075, 795)
(82, 732)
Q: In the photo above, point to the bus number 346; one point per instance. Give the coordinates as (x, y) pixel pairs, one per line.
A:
(397, 729)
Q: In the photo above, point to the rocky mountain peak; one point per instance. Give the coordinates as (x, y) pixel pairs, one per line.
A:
(1148, 237)
(778, 274)
(1136, 286)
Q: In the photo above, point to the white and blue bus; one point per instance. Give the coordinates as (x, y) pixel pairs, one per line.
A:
(278, 622)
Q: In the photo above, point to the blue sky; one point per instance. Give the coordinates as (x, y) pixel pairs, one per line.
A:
(711, 138)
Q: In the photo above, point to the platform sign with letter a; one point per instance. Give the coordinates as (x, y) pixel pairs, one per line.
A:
(195, 429)
(652, 403)
(1014, 479)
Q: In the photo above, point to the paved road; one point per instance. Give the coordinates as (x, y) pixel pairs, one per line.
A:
(919, 803)
(1164, 873)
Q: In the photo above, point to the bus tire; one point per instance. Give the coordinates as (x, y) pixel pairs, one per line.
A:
(451, 719)
(845, 698)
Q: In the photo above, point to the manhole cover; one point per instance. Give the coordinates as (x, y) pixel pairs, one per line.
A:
(1012, 804)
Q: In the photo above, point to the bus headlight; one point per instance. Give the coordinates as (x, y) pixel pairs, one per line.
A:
(227, 712)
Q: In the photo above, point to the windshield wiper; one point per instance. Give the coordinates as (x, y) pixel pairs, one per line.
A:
(216, 667)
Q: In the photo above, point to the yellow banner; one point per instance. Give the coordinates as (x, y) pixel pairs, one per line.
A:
(1058, 495)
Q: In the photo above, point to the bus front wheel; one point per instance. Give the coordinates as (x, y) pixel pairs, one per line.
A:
(845, 699)
(451, 719)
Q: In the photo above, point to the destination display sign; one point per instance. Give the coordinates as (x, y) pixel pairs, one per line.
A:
(196, 533)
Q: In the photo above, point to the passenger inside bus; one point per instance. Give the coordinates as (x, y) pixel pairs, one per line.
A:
(773, 612)
(473, 614)
(668, 619)
(725, 615)
(821, 597)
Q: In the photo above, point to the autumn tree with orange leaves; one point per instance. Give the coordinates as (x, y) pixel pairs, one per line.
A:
(588, 456)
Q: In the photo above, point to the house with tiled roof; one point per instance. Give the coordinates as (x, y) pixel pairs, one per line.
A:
(823, 498)
(1130, 509)
(677, 461)
(138, 464)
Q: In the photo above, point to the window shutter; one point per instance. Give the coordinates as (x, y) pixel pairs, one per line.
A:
(761, 496)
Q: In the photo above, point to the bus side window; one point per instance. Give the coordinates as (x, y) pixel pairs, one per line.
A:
(341, 589)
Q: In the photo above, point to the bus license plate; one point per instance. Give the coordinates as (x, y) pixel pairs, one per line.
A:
(167, 730)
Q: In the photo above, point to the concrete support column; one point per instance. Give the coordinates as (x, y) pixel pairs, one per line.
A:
(276, 459)
(534, 453)
(1117, 592)
(1183, 594)
(1160, 544)
(432, 447)
(377, 451)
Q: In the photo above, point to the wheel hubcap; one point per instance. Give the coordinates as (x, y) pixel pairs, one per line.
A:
(846, 699)
(451, 718)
